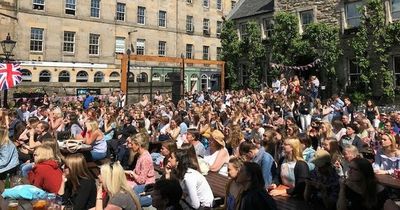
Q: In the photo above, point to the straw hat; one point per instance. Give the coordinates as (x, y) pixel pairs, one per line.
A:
(218, 136)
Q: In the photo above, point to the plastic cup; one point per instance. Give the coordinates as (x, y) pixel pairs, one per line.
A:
(12, 205)
(39, 205)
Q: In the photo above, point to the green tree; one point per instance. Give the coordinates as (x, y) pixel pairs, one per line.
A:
(254, 50)
(371, 46)
(230, 52)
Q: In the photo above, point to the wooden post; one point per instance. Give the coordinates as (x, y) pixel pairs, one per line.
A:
(124, 71)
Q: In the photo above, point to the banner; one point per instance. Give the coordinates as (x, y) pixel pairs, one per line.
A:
(296, 68)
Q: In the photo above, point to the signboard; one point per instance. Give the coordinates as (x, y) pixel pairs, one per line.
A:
(84, 91)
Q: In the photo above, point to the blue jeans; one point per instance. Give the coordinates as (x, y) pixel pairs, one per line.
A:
(98, 155)
(145, 200)
(25, 169)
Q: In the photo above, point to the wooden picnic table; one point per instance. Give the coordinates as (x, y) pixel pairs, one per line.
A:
(388, 181)
(217, 183)
(23, 204)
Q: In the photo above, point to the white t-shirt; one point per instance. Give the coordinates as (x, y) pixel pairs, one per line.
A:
(197, 189)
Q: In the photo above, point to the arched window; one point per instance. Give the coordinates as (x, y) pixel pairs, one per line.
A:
(26, 75)
(99, 77)
(156, 77)
(143, 77)
(194, 77)
(44, 76)
(204, 82)
(114, 77)
(63, 76)
(82, 76)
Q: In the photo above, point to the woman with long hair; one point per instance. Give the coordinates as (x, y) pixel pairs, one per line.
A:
(95, 137)
(8, 155)
(46, 173)
(293, 170)
(361, 190)
(113, 181)
(387, 158)
(80, 187)
(166, 195)
(197, 191)
(233, 188)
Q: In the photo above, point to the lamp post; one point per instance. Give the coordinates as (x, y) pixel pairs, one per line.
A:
(128, 52)
(183, 76)
(8, 46)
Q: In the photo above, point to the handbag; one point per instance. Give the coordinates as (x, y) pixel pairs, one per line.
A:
(73, 146)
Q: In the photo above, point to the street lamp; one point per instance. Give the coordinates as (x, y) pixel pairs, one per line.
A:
(183, 76)
(128, 52)
(8, 46)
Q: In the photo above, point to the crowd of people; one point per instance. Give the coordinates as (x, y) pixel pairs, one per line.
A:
(280, 141)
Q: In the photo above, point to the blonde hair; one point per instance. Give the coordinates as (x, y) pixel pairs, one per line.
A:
(43, 153)
(297, 152)
(114, 181)
(93, 125)
(56, 149)
(329, 129)
(393, 146)
(4, 139)
(141, 139)
(57, 112)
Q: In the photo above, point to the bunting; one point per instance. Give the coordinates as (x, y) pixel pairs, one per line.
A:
(297, 68)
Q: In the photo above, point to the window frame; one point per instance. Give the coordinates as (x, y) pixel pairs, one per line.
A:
(96, 77)
(91, 45)
(64, 76)
(115, 77)
(141, 48)
(189, 54)
(162, 48)
(353, 74)
(206, 3)
(34, 42)
(26, 75)
(79, 77)
(71, 43)
(141, 16)
(162, 20)
(268, 26)
(397, 11)
(206, 26)
(396, 74)
(118, 46)
(94, 9)
(38, 5)
(120, 10)
(68, 4)
(301, 15)
(219, 28)
(219, 5)
(206, 52)
(347, 18)
(41, 75)
(189, 24)
(219, 52)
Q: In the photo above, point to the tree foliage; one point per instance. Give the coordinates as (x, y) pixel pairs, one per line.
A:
(230, 52)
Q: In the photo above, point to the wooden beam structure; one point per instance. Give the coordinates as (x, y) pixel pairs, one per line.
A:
(148, 58)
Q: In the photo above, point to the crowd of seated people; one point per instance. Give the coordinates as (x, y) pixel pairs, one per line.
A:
(278, 142)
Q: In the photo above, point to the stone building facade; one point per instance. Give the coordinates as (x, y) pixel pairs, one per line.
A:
(70, 41)
(342, 13)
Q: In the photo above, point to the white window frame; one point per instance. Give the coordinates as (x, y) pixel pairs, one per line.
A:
(98, 77)
(219, 28)
(64, 76)
(233, 4)
(141, 44)
(162, 48)
(162, 21)
(189, 1)
(243, 30)
(206, 52)
(26, 75)
(394, 10)
(120, 11)
(301, 15)
(396, 74)
(347, 18)
(206, 3)
(189, 51)
(141, 16)
(189, 24)
(268, 26)
(353, 74)
(95, 9)
(206, 26)
(219, 5)
(68, 42)
(219, 52)
(37, 39)
(94, 46)
(119, 44)
(38, 4)
(114, 77)
(70, 5)
(82, 76)
(45, 74)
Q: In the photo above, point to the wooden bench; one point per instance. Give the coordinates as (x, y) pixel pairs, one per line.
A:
(388, 181)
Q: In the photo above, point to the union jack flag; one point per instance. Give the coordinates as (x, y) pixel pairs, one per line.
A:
(10, 75)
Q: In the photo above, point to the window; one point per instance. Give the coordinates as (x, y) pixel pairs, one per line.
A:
(219, 28)
(140, 46)
(219, 51)
(156, 77)
(162, 18)
(69, 42)
(189, 1)
(395, 9)
(233, 3)
(268, 27)
(99, 77)
(161, 48)
(120, 12)
(219, 4)
(396, 68)
(205, 52)
(44, 76)
(306, 17)
(206, 26)
(63, 76)
(114, 77)
(206, 3)
(204, 82)
(94, 42)
(95, 8)
(354, 72)
(70, 6)
(38, 4)
(36, 44)
(82, 76)
(142, 77)
(189, 24)
(141, 19)
(243, 31)
(189, 51)
(353, 16)
(26, 75)
(120, 44)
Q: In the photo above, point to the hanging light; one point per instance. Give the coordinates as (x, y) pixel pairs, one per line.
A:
(8, 46)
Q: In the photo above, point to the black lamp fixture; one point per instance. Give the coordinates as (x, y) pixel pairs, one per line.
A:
(128, 52)
(8, 46)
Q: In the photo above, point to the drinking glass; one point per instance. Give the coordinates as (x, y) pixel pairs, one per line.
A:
(12, 205)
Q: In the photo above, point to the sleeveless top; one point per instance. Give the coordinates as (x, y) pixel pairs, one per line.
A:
(210, 159)
(99, 146)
